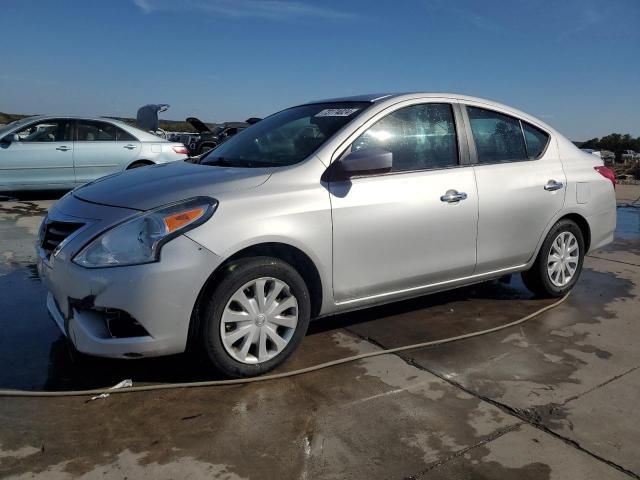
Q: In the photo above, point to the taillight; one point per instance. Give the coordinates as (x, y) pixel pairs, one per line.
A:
(607, 173)
(181, 149)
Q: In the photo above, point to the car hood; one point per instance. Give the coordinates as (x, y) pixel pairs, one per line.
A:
(198, 125)
(157, 185)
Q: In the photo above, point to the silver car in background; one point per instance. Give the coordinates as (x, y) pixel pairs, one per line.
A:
(40, 153)
(322, 208)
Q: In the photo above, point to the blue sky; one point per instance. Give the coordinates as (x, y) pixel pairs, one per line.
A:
(573, 63)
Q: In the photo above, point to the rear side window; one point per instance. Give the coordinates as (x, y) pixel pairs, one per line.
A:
(421, 137)
(536, 140)
(93, 131)
(498, 137)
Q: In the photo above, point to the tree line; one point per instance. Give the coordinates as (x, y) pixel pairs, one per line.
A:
(614, 142)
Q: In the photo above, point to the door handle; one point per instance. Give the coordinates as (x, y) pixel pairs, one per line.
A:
(129, 147)
(63, 148)
(453, 196)
(552, 186)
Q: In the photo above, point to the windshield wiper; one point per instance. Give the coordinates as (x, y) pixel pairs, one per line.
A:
(219, 162)
(223, 162)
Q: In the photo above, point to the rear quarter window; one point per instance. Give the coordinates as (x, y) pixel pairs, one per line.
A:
(535, 139)
(124, 136)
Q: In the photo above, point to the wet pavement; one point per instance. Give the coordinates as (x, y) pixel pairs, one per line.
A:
(553, 398)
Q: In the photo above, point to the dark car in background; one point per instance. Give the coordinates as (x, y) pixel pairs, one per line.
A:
(209, 138)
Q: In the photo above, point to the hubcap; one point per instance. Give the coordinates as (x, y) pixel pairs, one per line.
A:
(259, 320)
(563, 259)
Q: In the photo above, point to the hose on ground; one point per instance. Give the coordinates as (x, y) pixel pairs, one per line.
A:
(275, 376)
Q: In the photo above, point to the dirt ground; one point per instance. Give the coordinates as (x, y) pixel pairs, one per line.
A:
(628, 193)
(554, 398)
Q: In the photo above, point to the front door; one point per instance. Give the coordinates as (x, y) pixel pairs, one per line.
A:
(414, 226)
(40, 157)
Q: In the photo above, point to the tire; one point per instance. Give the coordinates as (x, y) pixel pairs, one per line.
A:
(555, 283)
(223, 316)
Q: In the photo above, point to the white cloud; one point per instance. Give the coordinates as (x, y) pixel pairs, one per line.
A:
(587, 18)
(143, 5)
(269, 9)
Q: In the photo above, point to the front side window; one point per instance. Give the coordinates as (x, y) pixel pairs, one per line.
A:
(94, 131)
(536, 140)
(421, 137)
(498, 137)
(46, 131)
(285, 138)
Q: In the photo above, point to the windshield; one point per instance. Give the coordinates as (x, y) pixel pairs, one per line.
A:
(285, 138)
(16, 123)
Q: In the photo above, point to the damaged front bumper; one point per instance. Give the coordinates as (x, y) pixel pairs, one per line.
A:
(89, 335)
(122, 312)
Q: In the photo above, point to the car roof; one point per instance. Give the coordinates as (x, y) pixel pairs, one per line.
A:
(367, 97)
(378, 97)
(76, 117)
(381, 98)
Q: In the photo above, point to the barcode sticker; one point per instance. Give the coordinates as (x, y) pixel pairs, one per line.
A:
(337, 112)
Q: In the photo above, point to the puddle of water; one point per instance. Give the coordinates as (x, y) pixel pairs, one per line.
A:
(35, 355)
(628, 226)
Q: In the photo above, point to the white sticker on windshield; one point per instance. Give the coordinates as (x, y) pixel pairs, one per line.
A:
(337, 112)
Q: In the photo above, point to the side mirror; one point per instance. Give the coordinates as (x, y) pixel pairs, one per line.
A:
(12, 137)
(369, 160)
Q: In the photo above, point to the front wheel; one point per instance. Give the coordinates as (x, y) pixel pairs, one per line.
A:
(256, 317)
(559, 262)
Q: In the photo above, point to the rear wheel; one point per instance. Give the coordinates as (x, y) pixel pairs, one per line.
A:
(559, 262)
(255, 318)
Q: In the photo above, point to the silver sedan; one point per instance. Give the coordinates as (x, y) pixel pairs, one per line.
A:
(40, 153)
(322, 208)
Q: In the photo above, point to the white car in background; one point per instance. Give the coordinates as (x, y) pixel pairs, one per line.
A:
(53, 152)
(597, 153)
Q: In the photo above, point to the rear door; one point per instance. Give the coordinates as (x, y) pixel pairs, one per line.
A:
(41, 158)
(102, 148)
(397, 232)
(520, 183)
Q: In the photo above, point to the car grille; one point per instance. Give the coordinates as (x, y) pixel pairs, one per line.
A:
(54, 233)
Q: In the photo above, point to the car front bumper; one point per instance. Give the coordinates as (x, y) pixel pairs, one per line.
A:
(157, 296)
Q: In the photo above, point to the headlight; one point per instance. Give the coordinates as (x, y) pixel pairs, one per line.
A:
(140, 239)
